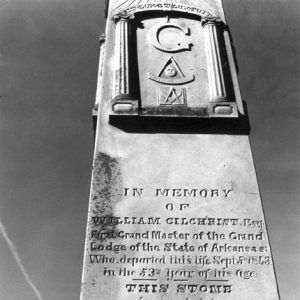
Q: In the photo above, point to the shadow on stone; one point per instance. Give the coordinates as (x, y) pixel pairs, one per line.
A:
(189, 125)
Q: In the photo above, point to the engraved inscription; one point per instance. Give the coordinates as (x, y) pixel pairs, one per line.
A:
(126, 7)
(178, 252)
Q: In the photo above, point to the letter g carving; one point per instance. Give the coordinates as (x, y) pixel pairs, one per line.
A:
(169, 37)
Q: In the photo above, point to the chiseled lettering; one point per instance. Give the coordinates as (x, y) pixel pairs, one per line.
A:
(185, 192)
(189, 192)
(131, 287)
(147, 288)
(203, 193)
(180, 7)
(185, 247)
(133, 192)
(211, 289)
(201, 221)
(101, 258)
(126, 220)
(214, 193)
(227, 192)
(246, 236)
(162, 192)
(176, 193)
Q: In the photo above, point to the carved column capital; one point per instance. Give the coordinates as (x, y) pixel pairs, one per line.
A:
(123, 17)
(102, 40)
(212, 21)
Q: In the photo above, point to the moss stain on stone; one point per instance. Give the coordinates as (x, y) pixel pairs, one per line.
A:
(106, 183)
(106, 189)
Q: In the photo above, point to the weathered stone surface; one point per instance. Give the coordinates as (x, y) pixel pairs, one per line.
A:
(176, 217)
(172, 216)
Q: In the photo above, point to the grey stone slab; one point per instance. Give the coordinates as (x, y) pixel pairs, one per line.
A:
(176, 217)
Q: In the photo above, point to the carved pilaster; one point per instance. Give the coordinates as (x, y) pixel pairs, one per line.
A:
(102, 44)
(214, 60)
(123, 101)
(122, 67)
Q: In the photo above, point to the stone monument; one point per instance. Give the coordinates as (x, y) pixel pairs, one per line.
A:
(175, 211)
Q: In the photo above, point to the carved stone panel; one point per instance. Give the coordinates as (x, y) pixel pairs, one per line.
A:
(172, 61)
(171, 56)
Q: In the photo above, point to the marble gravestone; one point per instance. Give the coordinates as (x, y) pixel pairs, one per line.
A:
(175, 210)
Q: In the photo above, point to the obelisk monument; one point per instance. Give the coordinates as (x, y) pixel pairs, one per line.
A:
(175, 210)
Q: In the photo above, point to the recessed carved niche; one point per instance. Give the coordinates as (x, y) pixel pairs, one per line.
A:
(171, 64)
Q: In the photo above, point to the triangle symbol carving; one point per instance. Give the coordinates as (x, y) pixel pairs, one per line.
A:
(171, 70)
(171, 74)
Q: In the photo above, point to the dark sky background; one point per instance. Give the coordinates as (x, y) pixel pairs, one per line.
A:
(48, 72)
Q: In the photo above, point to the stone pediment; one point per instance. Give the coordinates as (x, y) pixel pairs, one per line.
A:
(203, 8)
